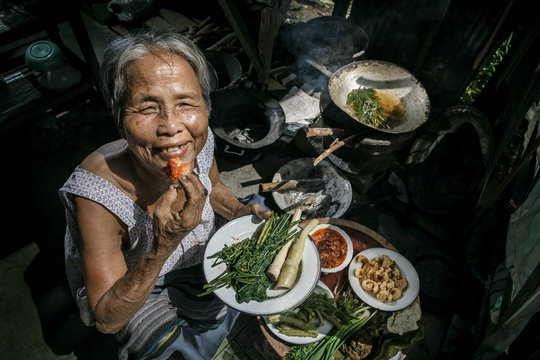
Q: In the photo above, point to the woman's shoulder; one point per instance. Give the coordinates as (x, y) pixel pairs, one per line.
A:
(99, 162)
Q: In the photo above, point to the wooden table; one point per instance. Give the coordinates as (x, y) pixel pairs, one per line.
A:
(362, 238)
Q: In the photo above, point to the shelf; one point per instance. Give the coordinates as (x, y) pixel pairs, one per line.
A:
(22, 97)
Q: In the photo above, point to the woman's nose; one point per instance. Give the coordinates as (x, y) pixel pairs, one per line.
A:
(170, 122)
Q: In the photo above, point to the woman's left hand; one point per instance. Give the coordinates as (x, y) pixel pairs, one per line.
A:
(259, 211)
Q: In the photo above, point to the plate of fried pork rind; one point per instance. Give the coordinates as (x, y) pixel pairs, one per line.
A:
(383, 279)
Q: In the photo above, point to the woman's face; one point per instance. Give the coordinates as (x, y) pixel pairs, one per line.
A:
(165, 115)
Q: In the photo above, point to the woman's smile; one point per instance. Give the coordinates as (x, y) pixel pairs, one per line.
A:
(171, 151)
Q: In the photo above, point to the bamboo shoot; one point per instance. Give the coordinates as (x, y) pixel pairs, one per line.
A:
(290, 267)
(275, 267)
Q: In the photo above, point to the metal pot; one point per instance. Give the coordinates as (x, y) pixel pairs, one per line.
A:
(226, 70)
(395, 85)
(245, 121)
(330, 40)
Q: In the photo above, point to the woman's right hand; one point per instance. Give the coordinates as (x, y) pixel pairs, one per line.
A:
(170, 226)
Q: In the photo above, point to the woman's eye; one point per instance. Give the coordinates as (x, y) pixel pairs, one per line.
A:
(148, 110)
(182, 105)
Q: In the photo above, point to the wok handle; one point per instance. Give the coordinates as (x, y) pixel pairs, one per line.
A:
(278, 186)
(319, 67)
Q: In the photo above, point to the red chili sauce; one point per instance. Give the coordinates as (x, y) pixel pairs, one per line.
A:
(332, 247)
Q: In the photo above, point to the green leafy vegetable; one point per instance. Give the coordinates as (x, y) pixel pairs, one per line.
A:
(248, 260)
(367, 107)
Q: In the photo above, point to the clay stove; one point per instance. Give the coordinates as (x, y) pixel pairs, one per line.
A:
(362, 160)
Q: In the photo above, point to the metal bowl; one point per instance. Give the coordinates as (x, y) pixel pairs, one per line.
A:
(400, 88)
(331, 198)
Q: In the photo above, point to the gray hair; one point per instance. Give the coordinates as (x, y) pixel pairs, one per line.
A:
(125, 50)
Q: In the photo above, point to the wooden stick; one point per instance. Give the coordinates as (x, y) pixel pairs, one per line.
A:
(203, 22)
(335, 145)
(207, 28)
(325, 132)
(360, 53)
(197, 39)
(278, 69)
(223, 40)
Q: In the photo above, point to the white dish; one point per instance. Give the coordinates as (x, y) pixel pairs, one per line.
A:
(347, 238)
(322, 330)
(407, 269)
(280, 300)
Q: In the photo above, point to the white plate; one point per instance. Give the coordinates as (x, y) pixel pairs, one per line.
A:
(280, 301)
(349, 255)
(322, 330)
(407, 269)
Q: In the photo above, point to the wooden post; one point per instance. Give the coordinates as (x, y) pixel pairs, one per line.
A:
(241, 30)
(271, 19)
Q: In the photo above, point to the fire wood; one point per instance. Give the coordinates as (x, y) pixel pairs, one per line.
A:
(333, 147)
(179, 21)
(228, 45)
(158, 23)
(206, 29)
(221, 42)
(204, 22)
(325, 132)
(196, 39)
(278, 70)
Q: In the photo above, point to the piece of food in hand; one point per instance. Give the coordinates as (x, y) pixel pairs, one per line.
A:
(176, 169)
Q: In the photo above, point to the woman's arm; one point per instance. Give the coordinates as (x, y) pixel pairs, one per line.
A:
(114, 293)
(226, 204)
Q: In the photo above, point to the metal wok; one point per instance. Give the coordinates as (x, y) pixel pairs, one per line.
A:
(387, 79)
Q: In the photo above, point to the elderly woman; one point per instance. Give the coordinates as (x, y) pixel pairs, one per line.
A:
(134, 244)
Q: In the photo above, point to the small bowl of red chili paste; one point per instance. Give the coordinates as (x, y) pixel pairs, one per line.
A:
(334, 245)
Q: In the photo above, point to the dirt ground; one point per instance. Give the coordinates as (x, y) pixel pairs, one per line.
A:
(304, 10)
